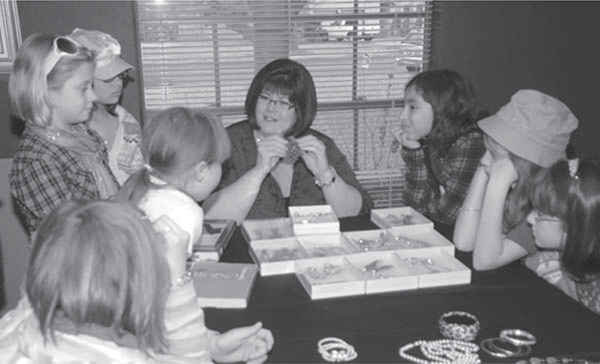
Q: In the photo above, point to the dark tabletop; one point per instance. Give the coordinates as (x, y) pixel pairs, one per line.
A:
(378, 325)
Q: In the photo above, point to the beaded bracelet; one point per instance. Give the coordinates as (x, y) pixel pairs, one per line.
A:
(442, 352)
(336, 350)
(330, 180)
(459, 325)
(184, 279)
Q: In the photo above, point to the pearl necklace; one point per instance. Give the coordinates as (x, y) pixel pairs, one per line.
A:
(442, 352)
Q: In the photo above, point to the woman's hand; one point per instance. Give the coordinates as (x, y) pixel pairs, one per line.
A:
(314, 155)
(249, 344)
(402, 138)
(270, 150)
(176, 243)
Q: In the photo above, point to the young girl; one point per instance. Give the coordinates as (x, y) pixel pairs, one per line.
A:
(564, 221)
(119, 129)
(528, 134)
(58, 157)
(102, 286)
(183, 152)
(441, 144)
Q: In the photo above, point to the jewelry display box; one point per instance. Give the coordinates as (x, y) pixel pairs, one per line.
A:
(329, 277)
(399, 238)
(398, 216)
(380, 271)
(276, 256)
(266, 229)
(216, 234)
(317, 219)
(326, 245)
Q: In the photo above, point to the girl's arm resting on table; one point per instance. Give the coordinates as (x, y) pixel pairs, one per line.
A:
(492, 249)
(467, 222)
(235, 201)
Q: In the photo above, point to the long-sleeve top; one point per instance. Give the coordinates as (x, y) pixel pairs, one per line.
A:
(270, 201)
(436, 184)
(44, 175)
(22, 342)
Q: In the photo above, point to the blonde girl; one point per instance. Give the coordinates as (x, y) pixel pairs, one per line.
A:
(183, 151)
(102, 286)
(526, 135)
(58, 156)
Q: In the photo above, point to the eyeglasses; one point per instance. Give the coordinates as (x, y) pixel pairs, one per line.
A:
(122, 76)
(61, 46)
(538, 216)
(279, 105)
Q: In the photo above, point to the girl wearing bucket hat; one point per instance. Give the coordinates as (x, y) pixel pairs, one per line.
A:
(525, 136)
(119, 129)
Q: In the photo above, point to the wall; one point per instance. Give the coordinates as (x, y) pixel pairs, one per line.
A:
(61, 17)
(504, 46)
(500, 46)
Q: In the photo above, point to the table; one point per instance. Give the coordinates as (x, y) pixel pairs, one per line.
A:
(378, 325)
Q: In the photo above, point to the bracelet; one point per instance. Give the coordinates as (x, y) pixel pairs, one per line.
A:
(501, 348)
(459, 325)
(336, 350)
(184, 279)
(518, 337)
(329, 182)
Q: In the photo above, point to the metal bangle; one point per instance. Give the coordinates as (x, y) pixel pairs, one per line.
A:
(456, 330)
(518, 337)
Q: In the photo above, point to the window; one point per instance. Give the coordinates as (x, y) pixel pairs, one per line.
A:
(361, 53)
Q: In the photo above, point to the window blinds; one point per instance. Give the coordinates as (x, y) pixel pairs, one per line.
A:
(361, 53)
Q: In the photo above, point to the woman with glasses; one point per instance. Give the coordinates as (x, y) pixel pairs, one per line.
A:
(277, 160)
(119, 129)
(59, 157)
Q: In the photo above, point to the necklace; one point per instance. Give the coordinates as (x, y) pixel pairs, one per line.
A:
(442, 352)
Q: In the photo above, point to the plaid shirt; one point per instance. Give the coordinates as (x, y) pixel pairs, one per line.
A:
(44, 175)
(436, 185)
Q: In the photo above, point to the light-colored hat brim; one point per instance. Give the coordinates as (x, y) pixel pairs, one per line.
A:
(117, 66)
(519, 144)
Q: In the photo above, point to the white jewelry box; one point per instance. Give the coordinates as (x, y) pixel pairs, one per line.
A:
(383, 272)
(421, 237)
(265, 229)
(276, 256)
(329, 277)
(316, 219)
(398, 216)
(435, 267)
(326, 245)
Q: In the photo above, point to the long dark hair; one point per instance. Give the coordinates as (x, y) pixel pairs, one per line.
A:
(455, 106)
(581, 257)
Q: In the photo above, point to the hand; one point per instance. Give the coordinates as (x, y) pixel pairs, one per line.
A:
(315, 155)
(402, 138)
(503, 170)
(249, 344)
(176, 243)
(270, 150)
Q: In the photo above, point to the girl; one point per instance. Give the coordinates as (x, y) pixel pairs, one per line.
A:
(528, 134)
(441, 144)
(119, 129)
(183, 152)
(58, 157)
(566, 203)
(100, 285)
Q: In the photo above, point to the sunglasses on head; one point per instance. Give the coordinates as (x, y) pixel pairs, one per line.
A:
(61, 46)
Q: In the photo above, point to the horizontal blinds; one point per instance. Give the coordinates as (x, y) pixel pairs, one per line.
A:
(205, 53)
(361, 53)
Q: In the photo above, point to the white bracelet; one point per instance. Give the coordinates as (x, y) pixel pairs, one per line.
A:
(184, 279)
(442, 352)
(336, 350)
